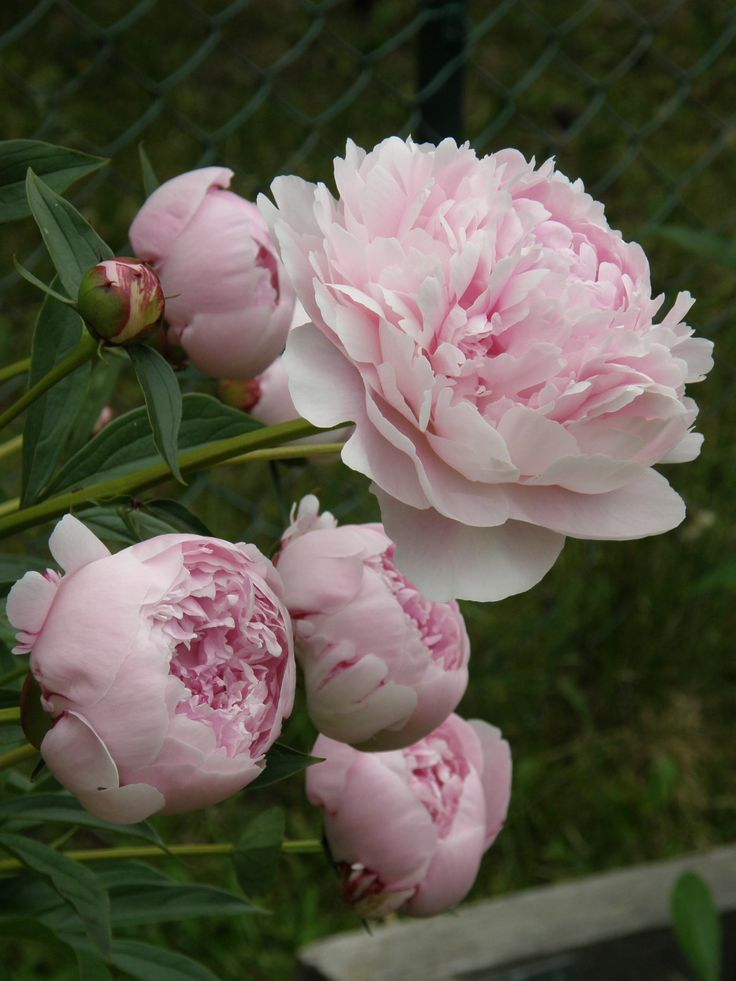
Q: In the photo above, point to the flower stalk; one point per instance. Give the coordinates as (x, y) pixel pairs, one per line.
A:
(25, 752)
(17, 368)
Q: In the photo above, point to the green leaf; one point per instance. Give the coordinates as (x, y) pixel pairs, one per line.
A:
(35, 809)
(58, 165)
(282, 762)
(258, 852)
(150, 180)
(17, 928)
(101, 385)
(75, 883)
(175, 516)
(704, 244)
(72, 243)
(91, 968)
(163, 401)
(697, 926)
(722, 577)
(39, 284)
(149, 963)
(13, 567)
(9, 697)
(50, 418)
(127, 445)
(34, 719)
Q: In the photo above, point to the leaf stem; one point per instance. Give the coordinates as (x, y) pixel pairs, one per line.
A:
(263, 440)
(86, 350)
(11, 446)
(17, 368)
(305, 846)
(6, 507)
(17, 756)
(10, 716)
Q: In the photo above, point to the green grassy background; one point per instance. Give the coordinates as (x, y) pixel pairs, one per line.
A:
(613, 679)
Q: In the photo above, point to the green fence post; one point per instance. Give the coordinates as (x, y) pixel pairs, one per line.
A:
(440, 69)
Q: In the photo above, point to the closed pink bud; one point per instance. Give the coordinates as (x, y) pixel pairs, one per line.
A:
(383, 665)
(167, 668)
(408, 828)
(229, 302)
(120, 300)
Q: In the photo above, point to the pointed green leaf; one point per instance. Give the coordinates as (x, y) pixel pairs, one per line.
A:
(258, 852)
(58, 165)
(34, 809)
(50, 418)
(75, 883)
(72, 243)
(282, 762)
(126, 444)
(100, 387)
(697, 926)
(91, 968)
(146, 962)
(39, 284)
(163, 401)
(150, 180)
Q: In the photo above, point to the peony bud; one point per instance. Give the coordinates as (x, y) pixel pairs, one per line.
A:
(120, 300)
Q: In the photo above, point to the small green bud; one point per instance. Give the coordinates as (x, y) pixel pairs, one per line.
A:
(120, 300)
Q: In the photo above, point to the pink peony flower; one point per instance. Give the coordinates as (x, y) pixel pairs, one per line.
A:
(229, 303)
(493, 339)
(168, 668)
(383, 665)
(408, 828)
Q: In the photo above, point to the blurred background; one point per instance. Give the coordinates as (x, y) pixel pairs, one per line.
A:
(613, 679)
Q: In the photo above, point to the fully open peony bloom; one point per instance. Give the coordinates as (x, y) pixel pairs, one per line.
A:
(408, 828)
(229, 303)
(167, 667)
(383, 665)
(493, 339)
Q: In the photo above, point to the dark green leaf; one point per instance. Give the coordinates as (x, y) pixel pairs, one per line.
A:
(13, 567)
(91, 968)
(9, 697)
(149, 963)
(50, 418)
(163, 401)
(282, 762)
(722, 577)
(75, 883)
(701, 243)
(258, 852)
(72, 243)
(101, 384)
(176, 516)
(35, 809)
(39, 284)
(150, 180)
(127, 445)
(58, 166)
(34, 719)
(697, 926)
(27, 928)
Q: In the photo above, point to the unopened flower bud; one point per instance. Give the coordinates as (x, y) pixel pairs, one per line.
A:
(120, 300)
(238, 394)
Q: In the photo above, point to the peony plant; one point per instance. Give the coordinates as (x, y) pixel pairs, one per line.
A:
(468, 333)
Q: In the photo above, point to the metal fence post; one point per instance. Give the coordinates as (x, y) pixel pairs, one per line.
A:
(440, 69)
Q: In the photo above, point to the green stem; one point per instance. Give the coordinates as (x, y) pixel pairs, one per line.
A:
(17, 756)
(17, 368)
(11, 446)
(86, 350)
(190, 462)
(287, 453)
(306, 846)
(12, 675)
(10, 716)
(7, 506)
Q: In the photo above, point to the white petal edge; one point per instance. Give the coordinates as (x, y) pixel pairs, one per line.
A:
(73, 545)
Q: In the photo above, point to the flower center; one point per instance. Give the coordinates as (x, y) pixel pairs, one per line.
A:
(438, 771)
(229, 646)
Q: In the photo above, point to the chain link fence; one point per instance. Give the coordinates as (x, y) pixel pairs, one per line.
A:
(634, 98)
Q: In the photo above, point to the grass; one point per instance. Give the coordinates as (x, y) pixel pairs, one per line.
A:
(613, 679)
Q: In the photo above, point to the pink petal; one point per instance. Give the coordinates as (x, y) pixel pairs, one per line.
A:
(73, 545)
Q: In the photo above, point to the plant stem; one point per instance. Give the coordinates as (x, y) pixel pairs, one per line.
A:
(286, 453)
(306, 846)
(10, 716)
(7, 506)
(190, 461)
(86, 350)
(17, 756)
(18, 368)
(11, 446)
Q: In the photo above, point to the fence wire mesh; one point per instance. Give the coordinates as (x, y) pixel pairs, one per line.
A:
(634, 98)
